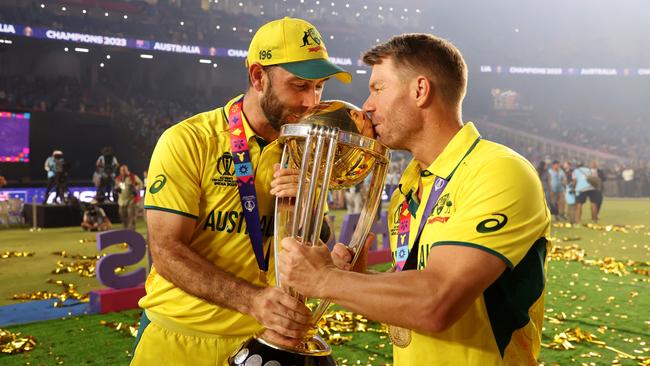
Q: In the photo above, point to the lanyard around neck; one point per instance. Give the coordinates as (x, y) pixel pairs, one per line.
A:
(403, 254)
(246, 182)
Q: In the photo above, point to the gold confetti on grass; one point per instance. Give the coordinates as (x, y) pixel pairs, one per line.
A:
(82, 268)
(334, 324)
(608, 228)
(130, 329)
(566, 340)
(69, 291)
(84, 265)
(15, 254)
(12, 343)
(608, 265)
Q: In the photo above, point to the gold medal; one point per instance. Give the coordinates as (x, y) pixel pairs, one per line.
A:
(401, 337)
(264, 277)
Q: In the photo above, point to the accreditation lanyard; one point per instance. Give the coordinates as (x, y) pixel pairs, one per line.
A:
(402, 254)
(246, 182)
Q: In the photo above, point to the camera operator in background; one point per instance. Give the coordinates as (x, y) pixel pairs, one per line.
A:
(128, 187)
(95, 218)
(104, 176)
(61, 169)
(50, 168)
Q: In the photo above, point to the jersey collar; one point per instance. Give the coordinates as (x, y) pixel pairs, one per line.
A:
(453, 154)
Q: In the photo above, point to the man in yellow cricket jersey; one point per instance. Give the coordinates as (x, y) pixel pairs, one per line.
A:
(210, 211)
(469, 229)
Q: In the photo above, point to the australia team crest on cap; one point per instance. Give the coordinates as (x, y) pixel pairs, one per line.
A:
(309, 36)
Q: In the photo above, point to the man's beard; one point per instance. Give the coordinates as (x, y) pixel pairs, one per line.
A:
(274, 111)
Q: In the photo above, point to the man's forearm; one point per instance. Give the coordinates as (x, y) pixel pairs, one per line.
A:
(195, 275)
(396, 298)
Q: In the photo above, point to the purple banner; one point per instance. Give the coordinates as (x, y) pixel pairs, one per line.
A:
(140, 44)
(83, 194)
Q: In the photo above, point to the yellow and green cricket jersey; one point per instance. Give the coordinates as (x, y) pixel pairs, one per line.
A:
(493, 202)
(193, 174)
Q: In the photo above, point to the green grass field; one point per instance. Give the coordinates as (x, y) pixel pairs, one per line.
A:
(611, 307)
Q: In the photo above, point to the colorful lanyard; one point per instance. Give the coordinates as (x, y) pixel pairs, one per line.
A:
(246, 182)
(402, 253)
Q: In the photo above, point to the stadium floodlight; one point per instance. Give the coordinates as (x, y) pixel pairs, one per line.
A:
(84, 11)
(218, 26)
(83, 50)
(42, 6)
(101, 64)
(106, 14)
(108, 57)
(125, 16)
(63, 8)
(205, 61)
(214, 65)
(144, 55)
(66, 49)
(362, 72)
(182, 23)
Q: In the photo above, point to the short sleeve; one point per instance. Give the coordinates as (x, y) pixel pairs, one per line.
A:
(174, 171)
(501, 210)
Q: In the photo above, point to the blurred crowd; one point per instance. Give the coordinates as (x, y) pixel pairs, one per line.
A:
(145, 114)
(569, 185)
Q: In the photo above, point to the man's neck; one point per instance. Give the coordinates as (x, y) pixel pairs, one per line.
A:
(433, 140)
(256, 118)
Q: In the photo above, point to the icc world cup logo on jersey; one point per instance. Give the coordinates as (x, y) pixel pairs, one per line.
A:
(225, 164)
(226, 171)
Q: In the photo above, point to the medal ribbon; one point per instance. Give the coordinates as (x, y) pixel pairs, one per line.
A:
(404, 230)
(246, 182)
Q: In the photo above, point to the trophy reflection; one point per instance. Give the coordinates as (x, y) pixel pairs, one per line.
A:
(333, 149)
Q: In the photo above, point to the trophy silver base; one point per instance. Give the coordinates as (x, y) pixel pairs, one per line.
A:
(258, 352)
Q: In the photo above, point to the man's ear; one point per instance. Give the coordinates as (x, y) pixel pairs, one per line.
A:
(256, 74)
(423, 90)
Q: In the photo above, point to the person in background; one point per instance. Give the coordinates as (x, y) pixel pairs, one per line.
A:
(128, 187)
(557, 183)
(106, 167)
(584, 189)
(50, 168)
(95, 218)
